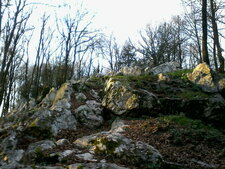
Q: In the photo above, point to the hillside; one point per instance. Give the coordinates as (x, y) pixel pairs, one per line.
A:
(163, 119)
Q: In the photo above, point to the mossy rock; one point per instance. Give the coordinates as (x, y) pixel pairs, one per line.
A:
(105, 146)
(38, 132)
(60, 94)
(32, 134)
(42, 158)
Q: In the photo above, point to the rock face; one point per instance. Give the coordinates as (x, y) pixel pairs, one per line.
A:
(164, 68)
(26, 134)
(56, 112)
(95, 165)
(130, 71)
(207, 79)
(90, 114)
(122, 99)
(115, 145)
(215, 110)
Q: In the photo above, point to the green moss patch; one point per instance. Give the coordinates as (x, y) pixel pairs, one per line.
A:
(180, 74)
(192, 131)
(80, 167)
(32, 134)
(3, 134)
(180, 140)
(189, 94)
(137, 78)
(42, 158)
(105, 146)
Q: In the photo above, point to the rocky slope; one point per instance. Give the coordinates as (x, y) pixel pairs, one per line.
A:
(85, 124)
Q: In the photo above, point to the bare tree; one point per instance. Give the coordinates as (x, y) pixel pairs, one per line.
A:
(128, 54)
(110, 50)
(217, 45)
(13, 25)
(163, 43)
(193, 27)
(44, 41)
(75, 40)
(205, 55)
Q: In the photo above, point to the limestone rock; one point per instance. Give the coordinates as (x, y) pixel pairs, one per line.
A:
(89, 114)
(13, 156)
(121, 98)
(64, 120)
(65, 154)
(202, 75)
(9, 143)
(62, 142)
(19, 166)
(94, 94)
(208, 80)
(162, 77)
(49, 98)
(43, 145)
(130, 71)
(215, 110)
(81, 97)
(118, 126)
(52, 120)
(221, 84)
(118, 146)
(87, 157)
(164, 68)
(95, 165)
(36, 148)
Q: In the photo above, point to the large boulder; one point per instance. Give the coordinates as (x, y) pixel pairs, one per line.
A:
(54, 121)
(207, 79)
(214, 112)
(89, 114)
(130, 71)
(95, 165)
(121, 98)
(114, 145)
(164, 68)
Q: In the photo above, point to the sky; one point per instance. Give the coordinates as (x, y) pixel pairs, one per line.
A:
(126, 17)
(123, 18)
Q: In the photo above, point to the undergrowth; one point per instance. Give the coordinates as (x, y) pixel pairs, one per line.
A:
(192, 131)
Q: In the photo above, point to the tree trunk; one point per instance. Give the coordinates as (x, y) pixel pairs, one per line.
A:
(216, 35)
(214, 56)
(205, 55)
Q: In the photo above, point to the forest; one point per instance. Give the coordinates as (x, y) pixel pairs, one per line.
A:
(72, 49)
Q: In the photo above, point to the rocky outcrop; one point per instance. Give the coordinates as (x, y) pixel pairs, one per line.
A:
(130, 71)
(95, 165)
(27, 135)
(214, 111)
(121, 98)
(57, 111)
(207, 79)
(90, 114)
(114, 145)
(164, 68)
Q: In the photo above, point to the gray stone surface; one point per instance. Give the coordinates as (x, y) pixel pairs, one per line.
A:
(114, 144)
(90, 114)
(121, 98)
(164, 68)
(95, 166)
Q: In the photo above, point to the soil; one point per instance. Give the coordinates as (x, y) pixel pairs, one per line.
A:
(190, 153)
